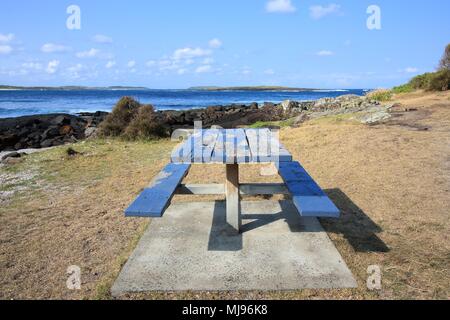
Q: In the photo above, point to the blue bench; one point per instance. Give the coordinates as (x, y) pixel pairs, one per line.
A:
(308, 197)
(155, 199)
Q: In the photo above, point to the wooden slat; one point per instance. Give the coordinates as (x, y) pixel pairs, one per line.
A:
(201, 189)
(308, 197)
(153, 201)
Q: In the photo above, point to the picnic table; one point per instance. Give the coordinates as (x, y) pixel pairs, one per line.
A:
(234, 148)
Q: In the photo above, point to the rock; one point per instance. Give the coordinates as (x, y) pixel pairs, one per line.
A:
(288, 105)
(298, 120)
(11, 155)
(91, 132)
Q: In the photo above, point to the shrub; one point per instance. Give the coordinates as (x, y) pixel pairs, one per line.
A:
(144, 125)
(421, 81)
(131, 120)
(380, 95)
(445, 61)
(406, 88)
(439, 81)
(117, 121)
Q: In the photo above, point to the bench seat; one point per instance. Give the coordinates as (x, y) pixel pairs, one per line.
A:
(155, 199)
(308, 197)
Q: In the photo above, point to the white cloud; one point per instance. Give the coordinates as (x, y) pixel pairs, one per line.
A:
(88, 54)
(150, 63)
(110, 64)
(131, 64)
(5, 49)
(189, 53)
(54, 48)
(283, 6)
(215, 43)
(325, 53)
(205, 61)
(269, 72)
(52, 66)
(411, 70)
(6, 37)
(317, 12)
(181, 71)
(32, 65)
(203, 69)
(100, 38)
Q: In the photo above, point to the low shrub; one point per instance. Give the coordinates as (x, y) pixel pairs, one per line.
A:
(380, 95)
(117, 121)
(406, 88)
(439, 81)
(131, 120)
(144, 125)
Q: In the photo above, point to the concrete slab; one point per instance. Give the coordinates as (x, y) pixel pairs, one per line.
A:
(192, 248)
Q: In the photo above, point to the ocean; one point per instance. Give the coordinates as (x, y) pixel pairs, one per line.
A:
(15, 103)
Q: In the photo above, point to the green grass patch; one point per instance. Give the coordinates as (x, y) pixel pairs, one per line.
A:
(271, 124)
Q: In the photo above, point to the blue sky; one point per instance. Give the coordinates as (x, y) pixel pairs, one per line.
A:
(179, 43)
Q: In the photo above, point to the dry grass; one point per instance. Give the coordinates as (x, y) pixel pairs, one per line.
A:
(392, 182)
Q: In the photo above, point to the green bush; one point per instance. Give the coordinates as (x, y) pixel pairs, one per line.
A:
(117, 121)
(406, 88)
(439, 81)
(131, 120)
(144, 125)
(431, 81)
(421, 81)
(380, 95)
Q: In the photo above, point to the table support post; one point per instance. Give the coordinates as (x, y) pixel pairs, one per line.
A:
(234, 218)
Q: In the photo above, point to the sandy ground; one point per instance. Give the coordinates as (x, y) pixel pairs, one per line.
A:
(391, 181)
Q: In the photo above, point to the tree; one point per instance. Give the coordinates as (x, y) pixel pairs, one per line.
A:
(445, 61)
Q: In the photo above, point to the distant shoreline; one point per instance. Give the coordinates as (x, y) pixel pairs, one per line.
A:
(201, 88)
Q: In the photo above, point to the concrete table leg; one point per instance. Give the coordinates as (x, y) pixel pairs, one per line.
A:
(234, 218)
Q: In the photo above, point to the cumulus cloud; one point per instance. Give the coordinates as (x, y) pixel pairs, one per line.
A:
(318, 11)
(269, 72)
(411, 70)
(325, 53)
(110, 64)
(100, 38)
(215, 43)
(150, 63)
(282, 6)
(5, 49)
(189, 53)
(203, 69)
(131, 64)
(182, 71)
(52, 66)
(88, 54)
(54, 48)
(6, 37)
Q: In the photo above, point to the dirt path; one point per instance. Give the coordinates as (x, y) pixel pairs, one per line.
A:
(391, 180)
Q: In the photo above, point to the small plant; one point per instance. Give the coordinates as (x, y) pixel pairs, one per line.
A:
(406, 88)
(117, 121)
(71, 152)
(131, 120)
(144, 125)
(380, 95)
